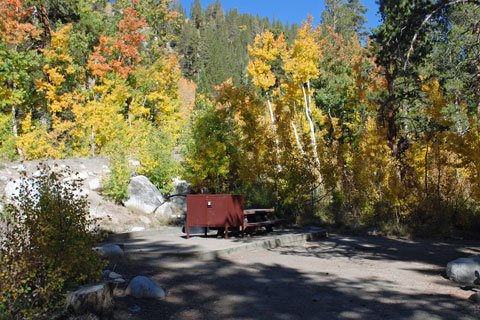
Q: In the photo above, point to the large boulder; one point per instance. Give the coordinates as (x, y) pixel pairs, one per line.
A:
(143, 287)
(170, 210)
(144, 197)
(96, 299)
(12, 189)
(179, 199)
(464, 270)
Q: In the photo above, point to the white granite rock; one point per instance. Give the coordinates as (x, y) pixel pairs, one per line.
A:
(95, 184)
(110, 251)
(143, 287)
(144, 197)
(464, 270)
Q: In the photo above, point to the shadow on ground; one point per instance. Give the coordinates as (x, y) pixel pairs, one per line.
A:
(435, 253)
(223, 289)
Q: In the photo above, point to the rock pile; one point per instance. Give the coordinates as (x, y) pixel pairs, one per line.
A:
(146, 207)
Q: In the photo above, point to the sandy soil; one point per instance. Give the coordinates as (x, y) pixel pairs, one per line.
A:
(339, 277)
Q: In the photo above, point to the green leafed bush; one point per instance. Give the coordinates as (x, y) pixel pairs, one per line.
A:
(46, 247)
(7, 139)
(115, 185)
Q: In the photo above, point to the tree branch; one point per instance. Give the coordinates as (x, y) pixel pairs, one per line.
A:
(427, 18)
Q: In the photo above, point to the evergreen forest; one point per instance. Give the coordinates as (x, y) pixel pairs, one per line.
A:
(327, 122)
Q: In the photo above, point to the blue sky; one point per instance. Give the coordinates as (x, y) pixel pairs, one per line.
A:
(283, 10)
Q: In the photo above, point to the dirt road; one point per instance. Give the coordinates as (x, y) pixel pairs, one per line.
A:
(339, 277)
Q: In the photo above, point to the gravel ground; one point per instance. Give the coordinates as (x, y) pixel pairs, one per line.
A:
(339, 277)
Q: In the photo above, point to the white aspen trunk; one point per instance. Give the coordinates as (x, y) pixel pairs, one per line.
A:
(15, 127)
(312, 129)
(295, 131)
(15, 124)
(277, 143)
(93, 141)
(298, 123)
(230, 120)
(296, 137)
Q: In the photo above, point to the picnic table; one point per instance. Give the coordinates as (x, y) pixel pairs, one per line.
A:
(256, 218)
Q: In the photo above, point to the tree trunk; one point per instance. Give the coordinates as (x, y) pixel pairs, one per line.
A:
(426, 172)
(15, 127)
(477, 89)
(93, 142)
(296, 137)
(390, 116)
(277, 143)
(46, 25)
(312, 130)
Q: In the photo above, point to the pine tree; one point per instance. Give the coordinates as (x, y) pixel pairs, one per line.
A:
(345, 17)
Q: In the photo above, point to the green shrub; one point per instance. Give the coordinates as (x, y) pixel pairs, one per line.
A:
(157, 161)
(8, 148)
(47, 246)
(115, 186)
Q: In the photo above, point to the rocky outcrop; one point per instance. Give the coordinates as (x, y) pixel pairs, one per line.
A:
(110, 216)
(465, 270)
(144, 197)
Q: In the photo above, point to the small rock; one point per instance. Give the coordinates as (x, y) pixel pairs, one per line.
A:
(464, 270)
(182, 186)
(105, 274)
(143, 287)
(137, 229)
(96, 299)
(90, 173)
(3, 178)
(475, 297)
(95, 185)
(145, 220)
(134, 163)
(372, 231)
(119, 280)
(83, 166)
(96, 213)
(78, 193)
(21, 168)
(114, 275)
(134, 309)
(110, 251)
(82, 175)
